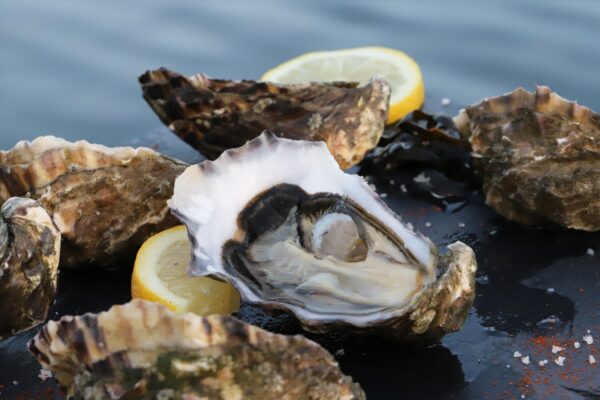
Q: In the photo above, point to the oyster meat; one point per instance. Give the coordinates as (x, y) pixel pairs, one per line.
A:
(213, 115)
(142, 350)
(105, 201)
(539, 157)
(29, 254)
(289, 229)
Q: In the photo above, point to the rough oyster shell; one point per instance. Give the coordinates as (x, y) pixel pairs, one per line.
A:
(214, 115)
(29, 254)
(105, 201)
(539, 156)
(141, 350)
(280, 221)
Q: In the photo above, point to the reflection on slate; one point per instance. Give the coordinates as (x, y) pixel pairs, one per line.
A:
(510, 306)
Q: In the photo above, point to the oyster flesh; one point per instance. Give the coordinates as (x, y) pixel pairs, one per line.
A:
(29, 254)
(105, 201)
(142, 350)
(289, 229)
(214, 115)
(539, 156)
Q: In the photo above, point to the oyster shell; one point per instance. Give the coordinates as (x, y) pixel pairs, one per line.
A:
(105, 201)
(539, 156)
(29, 254)
(214, 115)
(141, 350)
(289, 229)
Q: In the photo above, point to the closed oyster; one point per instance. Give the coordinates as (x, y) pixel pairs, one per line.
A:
(214, 115)
(539, 156)
(29, 254)
(105, 201)
(141, 350)
(280, 221)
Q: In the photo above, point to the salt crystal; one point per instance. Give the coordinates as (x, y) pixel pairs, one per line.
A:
(539, 158)
(588, 339)
(550, 290)
(44, 374)
(492, 233)
(340, 352)
(556, 349)
(410, 226)
(445, 102)
(525, 360)
(422, 178)
(591, 359)
(392, 181)
(590, 252)
(507, 365)
(15, 383)
(403, 188)
(517, 354)
(561, 140)
(543, 363)
(461, 225)
(428, 224)
(383, 195)
(373, 187)
(560, 361)
(577, 345)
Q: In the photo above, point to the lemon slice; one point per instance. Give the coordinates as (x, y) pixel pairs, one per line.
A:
(160, 275)
(359, 65)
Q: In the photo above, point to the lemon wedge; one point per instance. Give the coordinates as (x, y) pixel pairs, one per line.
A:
(160, 275)
(359, 65)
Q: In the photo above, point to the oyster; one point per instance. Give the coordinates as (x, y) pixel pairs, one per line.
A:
(539, 156)
(105, 201)
(141, 350)
(29, 254)
(214, 115)
(280, 221)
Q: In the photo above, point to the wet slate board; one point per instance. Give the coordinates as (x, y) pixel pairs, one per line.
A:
(536, 288)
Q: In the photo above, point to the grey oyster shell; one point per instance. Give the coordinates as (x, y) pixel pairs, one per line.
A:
(213, 115)
(539, 157)
(142, 350)
(105, 201)
(29, 254)
(280, 220)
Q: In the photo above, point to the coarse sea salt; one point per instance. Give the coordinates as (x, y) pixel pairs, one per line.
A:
(517, 354)
(591, 359)
(543, 363)
(560, 361)
(577, 345)
(556, 349)
(525, 360)
(588, 339)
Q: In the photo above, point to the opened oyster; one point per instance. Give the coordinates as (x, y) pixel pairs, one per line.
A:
(539, 156)
(105, 201)
(29, 253)
(141, 350)
(214, 115)
(279, 220)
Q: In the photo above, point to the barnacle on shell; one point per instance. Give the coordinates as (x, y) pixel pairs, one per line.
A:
(539, 156)
(214, 115)
(29, 254)
(105, 201)
(141, 350)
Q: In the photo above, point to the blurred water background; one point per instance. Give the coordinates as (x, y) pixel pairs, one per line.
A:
(69, 68)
